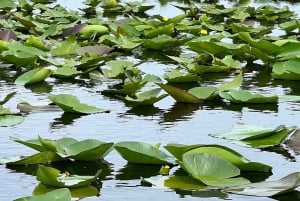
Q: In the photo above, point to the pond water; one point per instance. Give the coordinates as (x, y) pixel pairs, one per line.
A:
(166, 122)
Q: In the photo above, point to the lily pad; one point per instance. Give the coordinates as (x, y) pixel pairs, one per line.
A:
(144, 98)
(206, 168)
(70, 103)
(242, 96)
(42, 157)
(129, 88)
(180, 77)
(143, 153)
(268, 188)
(56, 195)
(33, 76)
(10, 120)
(7, 98)
(53, 177)
(258, 136)
(286, 70)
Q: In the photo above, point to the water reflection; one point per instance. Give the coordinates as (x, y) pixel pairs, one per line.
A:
(136, 171)
(294, 195)
(39, 88)
(66, 118)
(265, 108)
(202, 194)
(180, 111)
(144, 111)
(282, 151)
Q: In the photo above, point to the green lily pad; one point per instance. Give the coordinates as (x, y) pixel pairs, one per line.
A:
(33, 76)
(7, 4)
(180, 95)
(129, 88)
(178, 150)
(79, 192)
(235, 83)
(161, 42)
(144, 98)
(242, 96)
(10, 120)
(67, 47)
(53, 177)
(286, 70)
(42, 157)
(143, 153)
(258, 136)
(206, 168)
(180, 77)
(34, 144)
(70, 103)
(204, 93)
(268, 188)
(56, 195)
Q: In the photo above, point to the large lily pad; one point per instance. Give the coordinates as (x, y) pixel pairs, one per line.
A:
(242, 96)
(56, 195)
(70, 103)
(206, 168)
(287, 70)
(268, 188)
(53, 177)
(139, 152)
(258, 136)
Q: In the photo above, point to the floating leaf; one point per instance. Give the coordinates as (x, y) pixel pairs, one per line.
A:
(34, 144)
(180, 77)
(235, 83)
(33, 76)
(10, 120)
(97, 49)
(7, 4)
(242, 96)
(74, 30)
(42, 157)
(70, 103)
(67, 47)
(206, 168)
(258, 136)
(268, 188)
(53, 177)
(129, 88)
(286, 70)
(144, 98)
(180, 95)
(56, 195)
(7, 35)
(204, 93)
(139, 152)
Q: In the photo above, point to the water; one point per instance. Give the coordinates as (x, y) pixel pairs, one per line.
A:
(166, 122)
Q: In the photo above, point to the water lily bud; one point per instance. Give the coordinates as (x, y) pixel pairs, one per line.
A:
(89, 30)
(203, 32)
(165, 19)
(204, 18)
(112, 3)
(3, 45)
(164, 170)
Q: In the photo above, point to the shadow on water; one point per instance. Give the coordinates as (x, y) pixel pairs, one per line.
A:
(144, 111)
(42, 87)
(65, 119)
(179, 111)
(136, 171)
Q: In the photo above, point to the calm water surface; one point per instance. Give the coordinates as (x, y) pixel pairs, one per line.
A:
(166, 122)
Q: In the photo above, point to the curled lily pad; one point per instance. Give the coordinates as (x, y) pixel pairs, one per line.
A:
(204, 93)
(242, 96)
(143, 153)
(144, 98)
(206, 169)
(70, 103)
(54, 177)
(55, 195)
(33, 76)
(287, 70)
(7, 98)
(178, 76)
(268, 188)
(258, 136)
(129, 88)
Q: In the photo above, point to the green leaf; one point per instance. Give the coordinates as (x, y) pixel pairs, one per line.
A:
(7, 98)
(156, 31)
(7, 4)
(66, 72)
(42, 157)
(206, 168)
(86, 150)
(180, 77)
(144, 98)
(79, 192)
(56, 195)
(69, 46)
(53, 177)
(70, 103)
(180, 95)
(10, 120)
(235, 83)
(287, 70)
(34, 144)
(268, 188)
(143, 153)
(129, 88)
(258, 136)
(204, 93)
(242, 96)
(33, 76)
(161, 42)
